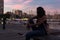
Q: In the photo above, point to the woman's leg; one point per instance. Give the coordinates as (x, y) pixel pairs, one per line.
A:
(29, 35)
(32, 34)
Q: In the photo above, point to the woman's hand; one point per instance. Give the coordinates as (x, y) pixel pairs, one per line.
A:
(41, 20)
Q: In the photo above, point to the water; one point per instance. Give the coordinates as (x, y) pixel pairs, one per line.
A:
(13, 29)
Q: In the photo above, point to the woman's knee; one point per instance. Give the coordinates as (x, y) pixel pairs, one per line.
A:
(30, 34)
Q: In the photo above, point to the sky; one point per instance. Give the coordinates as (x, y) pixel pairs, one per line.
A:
(50, 6)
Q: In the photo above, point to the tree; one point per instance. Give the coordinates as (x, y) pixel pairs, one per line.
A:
(17, 16)
(7, 15)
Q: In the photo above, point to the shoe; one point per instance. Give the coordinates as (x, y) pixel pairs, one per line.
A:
(20, 33)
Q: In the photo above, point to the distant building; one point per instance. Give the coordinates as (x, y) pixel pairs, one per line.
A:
(57, 16)
(19, 12)
(1, 6)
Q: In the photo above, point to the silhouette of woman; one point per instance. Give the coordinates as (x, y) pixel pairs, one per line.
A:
(39, 29)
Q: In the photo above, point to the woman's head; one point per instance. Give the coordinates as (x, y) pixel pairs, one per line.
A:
(40, 12)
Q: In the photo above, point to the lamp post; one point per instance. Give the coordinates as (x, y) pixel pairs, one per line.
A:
(4, 22)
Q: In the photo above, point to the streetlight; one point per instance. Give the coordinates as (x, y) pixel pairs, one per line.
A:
(4, 18)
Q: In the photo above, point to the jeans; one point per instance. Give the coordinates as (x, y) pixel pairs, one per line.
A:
(34, 33)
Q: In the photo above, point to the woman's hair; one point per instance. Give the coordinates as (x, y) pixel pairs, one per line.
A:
(40, 12)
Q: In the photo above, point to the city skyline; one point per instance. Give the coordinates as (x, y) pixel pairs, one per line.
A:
(26, 5)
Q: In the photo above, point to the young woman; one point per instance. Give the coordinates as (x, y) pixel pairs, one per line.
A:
(38, 29)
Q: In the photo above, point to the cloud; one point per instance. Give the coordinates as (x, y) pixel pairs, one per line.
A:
(24, 4)
(18, 5)
(51, 9)
(20, 0)
(23, 1)
(27, 1)
(7, 1)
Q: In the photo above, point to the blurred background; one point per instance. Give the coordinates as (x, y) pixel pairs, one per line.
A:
(17, 13)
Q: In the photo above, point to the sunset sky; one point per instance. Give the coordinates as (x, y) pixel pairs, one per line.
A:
(26, 5)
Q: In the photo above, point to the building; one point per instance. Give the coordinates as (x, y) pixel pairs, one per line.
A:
(19, 12)
(1, 6)
(57, 16)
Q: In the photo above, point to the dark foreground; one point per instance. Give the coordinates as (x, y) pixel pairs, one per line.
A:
(12, 29)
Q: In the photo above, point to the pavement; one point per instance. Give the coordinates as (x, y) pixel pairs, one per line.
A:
(10, 33)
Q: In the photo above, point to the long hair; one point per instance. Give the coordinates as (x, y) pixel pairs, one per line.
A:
(40, 12)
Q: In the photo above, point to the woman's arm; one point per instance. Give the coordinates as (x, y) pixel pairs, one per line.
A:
(41, 20)
(28, 27)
